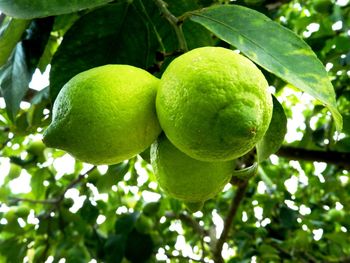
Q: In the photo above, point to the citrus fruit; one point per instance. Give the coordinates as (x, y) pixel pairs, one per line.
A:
(185, 178)
(213, 104)
(105, 115)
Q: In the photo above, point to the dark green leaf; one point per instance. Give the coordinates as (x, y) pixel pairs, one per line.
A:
(274, 136)
(121, 36)
(114, 248)
(14, 80)
(125, 223)
(77, 254)
(288, 217)
(139, 247)
(343, 145)
(89, 212)
(346, 123)
(273, 47)
(151, 209)
(35, 41)
(10, 34)
(40, 8)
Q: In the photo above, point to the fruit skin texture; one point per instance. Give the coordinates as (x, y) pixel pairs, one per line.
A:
(213, 104)
(105, 115)
(185, 178)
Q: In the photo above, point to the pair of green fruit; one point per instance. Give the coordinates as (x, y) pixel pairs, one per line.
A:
(212, 104)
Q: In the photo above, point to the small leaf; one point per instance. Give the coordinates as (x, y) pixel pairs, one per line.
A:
(37, 183)
(247, 172)
(274, 136)
(10, 34)
(273, 47)
(14, 80)
(41, 8)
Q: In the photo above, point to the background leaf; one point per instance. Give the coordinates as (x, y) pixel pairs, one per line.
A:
(274, 136)
(40, 8)
(14, 80)
(273, 47)
(121, 36)
(10, 34)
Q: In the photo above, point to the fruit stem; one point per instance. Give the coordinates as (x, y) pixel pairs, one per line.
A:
(236, 201)
(174, 22)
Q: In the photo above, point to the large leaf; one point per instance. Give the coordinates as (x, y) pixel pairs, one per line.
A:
(28, 9)
(12, 249)
(10, 34)
(121, 36)
(36, 38)
(14, 80)
(273, 47)
(274, 136)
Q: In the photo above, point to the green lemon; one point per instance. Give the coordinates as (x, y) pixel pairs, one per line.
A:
(213, 104)
(185, 178)
(105, 115)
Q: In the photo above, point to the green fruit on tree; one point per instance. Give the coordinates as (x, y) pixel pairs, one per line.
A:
(185, 178)
(213, 104)
(105, 115)
(36, 148)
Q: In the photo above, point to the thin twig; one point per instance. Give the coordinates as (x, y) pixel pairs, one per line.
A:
(188, 220)
(74, 183)
(174, 22)
(184, 258)
(236, 201)
(44, 202)
(54, 201)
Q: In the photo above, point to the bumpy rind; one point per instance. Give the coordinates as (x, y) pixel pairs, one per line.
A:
(185, 178)
(105, 115)
(213, 104)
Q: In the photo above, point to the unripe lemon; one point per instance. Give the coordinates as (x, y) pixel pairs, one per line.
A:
(105, 115)
(213, 104)
(185, 178)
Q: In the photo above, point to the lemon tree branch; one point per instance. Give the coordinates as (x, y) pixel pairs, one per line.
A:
(55, 201)
(236, 201)
(174, 22)
(188, 220)
(331, 157)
